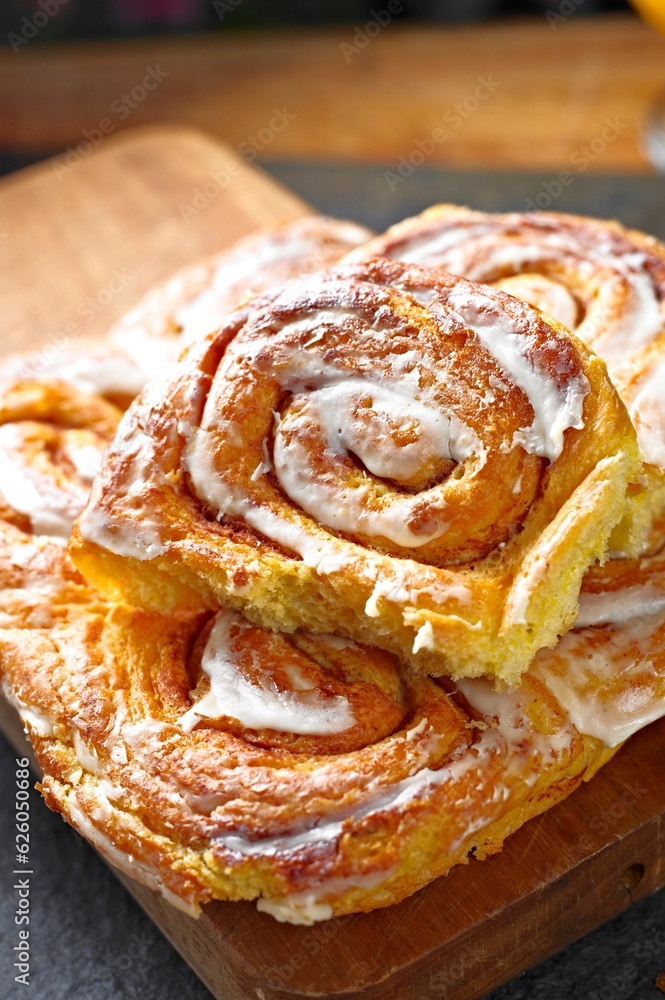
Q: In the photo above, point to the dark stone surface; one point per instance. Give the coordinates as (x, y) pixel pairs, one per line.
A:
(363, 193)
(89, 940)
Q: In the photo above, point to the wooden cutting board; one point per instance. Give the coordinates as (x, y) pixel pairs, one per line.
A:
(79, 247)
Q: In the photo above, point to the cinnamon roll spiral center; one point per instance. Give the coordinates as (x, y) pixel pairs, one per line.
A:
(401, 409)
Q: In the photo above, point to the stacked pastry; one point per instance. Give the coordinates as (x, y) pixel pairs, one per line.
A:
(369, 576)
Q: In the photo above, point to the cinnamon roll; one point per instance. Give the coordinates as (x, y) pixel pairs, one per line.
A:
(52, 439)
(603, 282)
(197, 299)
(608, 672)
(210, 759)
(384, 451)
(93, 367)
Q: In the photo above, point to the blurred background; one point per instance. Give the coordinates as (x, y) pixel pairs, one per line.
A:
(515, 87)
(97, 18)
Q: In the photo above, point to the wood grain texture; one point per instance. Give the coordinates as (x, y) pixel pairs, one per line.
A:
(77, 249)
(555, 91)
(560, 876)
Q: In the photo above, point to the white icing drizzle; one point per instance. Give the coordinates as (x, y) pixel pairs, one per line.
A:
(603, 671)
(33, 718)
(86, 758)
(124, 862)
(300, 908)
(493, 257)
(236, 277)
(391, 399)
(309, 907)
(624, 317)
(51, 509)
(608, 691)
(647, 411)
(265, 465)
(357, 417)
(555, 410)
(614, 607)
(424, 638)
(260, 707)
(398, 585)
(336, 641)
(351, 415)
(551, 297)
(635, 325)
(508, 734)
(105, 374)
(87, 461)
(99, 370)
(22, 554)
(417, 730)
(197, 300)
(141, 539)
(427, 249)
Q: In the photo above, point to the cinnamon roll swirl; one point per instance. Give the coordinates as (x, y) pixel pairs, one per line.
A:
(93, 367)
(210, 759)
(385, 451)
(197, 299)
(603, 282)
(52, 439)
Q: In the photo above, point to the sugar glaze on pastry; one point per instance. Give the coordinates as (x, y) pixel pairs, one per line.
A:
(93, 367)
(210, 759)
(299, 709)
(51, 496)
(609, 671)
(421, 452)
(603, 282)
(197, 299)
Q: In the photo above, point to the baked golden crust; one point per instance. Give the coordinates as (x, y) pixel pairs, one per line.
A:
(210, 759)
(197, 299)
(384, 451)
(602, 281)
(311, 830)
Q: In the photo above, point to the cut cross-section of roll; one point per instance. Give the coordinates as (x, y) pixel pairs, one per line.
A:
(405, 457)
